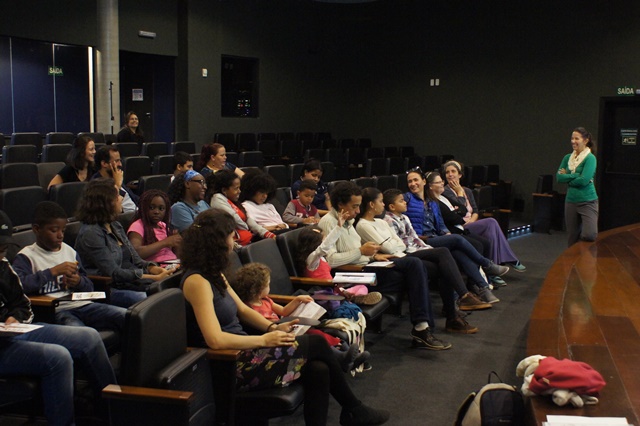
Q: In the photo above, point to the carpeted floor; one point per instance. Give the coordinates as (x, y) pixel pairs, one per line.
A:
(422, 387)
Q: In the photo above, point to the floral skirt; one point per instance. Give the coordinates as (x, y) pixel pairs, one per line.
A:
(270, 367)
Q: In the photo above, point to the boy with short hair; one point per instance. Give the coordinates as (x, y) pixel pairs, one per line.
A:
(301, 210)
(49, 265)
(396, 206)
(182, 162)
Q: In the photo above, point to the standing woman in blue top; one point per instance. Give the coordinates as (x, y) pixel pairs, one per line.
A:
(578, 170)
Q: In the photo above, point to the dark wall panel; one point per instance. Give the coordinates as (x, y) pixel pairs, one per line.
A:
(72, 89)
(32, 86)
(6, 120)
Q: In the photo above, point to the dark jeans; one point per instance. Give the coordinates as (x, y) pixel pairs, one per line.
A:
(96, 315)
(50, 353)
(409, 274)
(466, 256)
(450, 278)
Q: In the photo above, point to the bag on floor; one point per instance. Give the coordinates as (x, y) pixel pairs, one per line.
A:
(495, 404)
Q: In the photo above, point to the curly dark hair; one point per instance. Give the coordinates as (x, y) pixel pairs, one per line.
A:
(97, 204)
(250, 280)
(390, 196)
(309, 239)
(77, 156)
(177, 189)
(48, 211)
(307, 184)
(204, 244)
(218, 181)
(342, 192)
(257, 182)
(142, 213)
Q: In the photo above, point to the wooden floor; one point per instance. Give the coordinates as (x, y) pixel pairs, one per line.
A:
(589, 310)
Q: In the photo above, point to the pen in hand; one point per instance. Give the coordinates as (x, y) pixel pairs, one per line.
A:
(384, 241)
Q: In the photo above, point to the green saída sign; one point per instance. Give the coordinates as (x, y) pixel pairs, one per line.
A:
(626, 91)
(57, 71)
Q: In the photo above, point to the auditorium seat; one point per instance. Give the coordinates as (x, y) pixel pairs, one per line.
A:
(226, 139)
(245, 142)
(96, 137)
(152, 149)
(127, 149)
(376, 166)
(395, 165)
(163, 164)
(27, 138)
(55, 152)
(46, 172)
(19, 154)
(184, 146)
(57, 138)
(20, 203)
(280, 173)
(251, 159)
(160, 182)
(16, 175)
(161, 380)
(67, 195)
(386, 182)
(134, 167)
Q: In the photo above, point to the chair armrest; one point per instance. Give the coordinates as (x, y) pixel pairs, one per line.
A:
(281, 298)
(137, 393)
(349, 268)
(222, 354)
(536, 194)
(311, 281)
(44, 308)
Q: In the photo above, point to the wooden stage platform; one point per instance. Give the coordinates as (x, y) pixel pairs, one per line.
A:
(588, 310)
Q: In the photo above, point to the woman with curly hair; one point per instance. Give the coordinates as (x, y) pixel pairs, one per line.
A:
(79, 166)
(186, 194)
(215, 315)
(104, 248)
(149, 233)
(213, 158)
(224, 190)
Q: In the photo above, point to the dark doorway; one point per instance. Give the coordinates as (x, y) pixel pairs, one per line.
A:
(147, 86)
(618, 153)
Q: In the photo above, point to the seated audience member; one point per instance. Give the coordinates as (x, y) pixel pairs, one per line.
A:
(461, 199)
(109, 165)
(224, 192)
(213, 158)
(149, 233)
(131, 131)
(408, 273)
(301, 210)
(312, 170)
(181, 163)
(256, 191)
(215, 315)
(424, 213)
(313, 246)
(49, 352)
(252, 286)
(79, 162)
(105, 249)
(49, 265)
(186, 194)
(371, 228)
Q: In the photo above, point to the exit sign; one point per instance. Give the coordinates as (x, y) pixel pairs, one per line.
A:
(626, 91)
(57, 71)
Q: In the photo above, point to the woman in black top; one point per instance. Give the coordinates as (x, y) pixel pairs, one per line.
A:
(131, 131)
(79, 166)
(215, 315)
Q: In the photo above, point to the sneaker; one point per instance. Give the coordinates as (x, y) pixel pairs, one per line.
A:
(470, 302)
(487, 296)
(497, 282)
(494, 269)
(459, 325)
(363, 415)
(426, 340)
(368, 299)
(518, 266)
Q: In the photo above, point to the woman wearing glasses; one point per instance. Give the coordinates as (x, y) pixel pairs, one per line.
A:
(186, 194)
(459, 199)
(424, 213)
(224, 190)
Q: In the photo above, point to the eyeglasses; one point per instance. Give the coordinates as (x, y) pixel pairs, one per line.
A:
(198, 181)
(415, 170)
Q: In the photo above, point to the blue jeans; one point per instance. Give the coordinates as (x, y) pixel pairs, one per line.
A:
(467, 257)
(50, 353)
(409, 274)
(96, 315)
(126, 298)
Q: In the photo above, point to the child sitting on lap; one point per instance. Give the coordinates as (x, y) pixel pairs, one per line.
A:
(252, 286)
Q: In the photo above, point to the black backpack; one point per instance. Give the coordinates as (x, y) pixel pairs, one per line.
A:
(495, 404)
